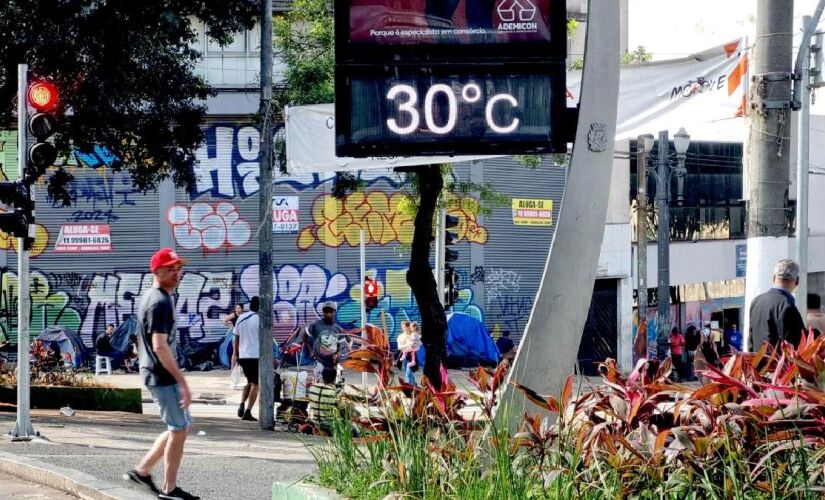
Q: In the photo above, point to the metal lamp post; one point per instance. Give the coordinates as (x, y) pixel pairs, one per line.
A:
(644, 144)
(663, 176)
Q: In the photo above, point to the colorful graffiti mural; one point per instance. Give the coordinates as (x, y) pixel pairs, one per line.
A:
(87, 303)
(499, 282)
(339, 222)
(208, 219)
(210, 227)
(228, 162)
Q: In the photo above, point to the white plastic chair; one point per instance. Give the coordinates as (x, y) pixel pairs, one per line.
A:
(103, 364)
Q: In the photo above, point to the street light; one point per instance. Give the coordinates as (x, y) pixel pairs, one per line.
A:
(681, 141)
(663, 175)
(644, 145)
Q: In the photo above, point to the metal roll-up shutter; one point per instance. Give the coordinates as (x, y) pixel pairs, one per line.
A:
(215, 227)
(388, 233)
(304, 278)
(514, 255)
(85, 290)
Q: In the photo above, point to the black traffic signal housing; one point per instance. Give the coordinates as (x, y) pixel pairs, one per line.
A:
(450, 238)
(16, 221)
(450, 286)
(42, 124)
(370, 294)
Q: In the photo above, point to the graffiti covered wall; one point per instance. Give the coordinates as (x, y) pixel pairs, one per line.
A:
(215, 226)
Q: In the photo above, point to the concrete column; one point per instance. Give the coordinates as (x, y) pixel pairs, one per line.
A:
(554, 330)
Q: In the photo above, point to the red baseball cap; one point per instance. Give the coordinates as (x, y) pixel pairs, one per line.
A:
(165, 257)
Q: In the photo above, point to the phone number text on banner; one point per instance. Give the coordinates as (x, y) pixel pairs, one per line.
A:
(527, 212)
(84, 238)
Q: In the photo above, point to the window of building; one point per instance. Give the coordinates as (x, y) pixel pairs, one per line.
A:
(235, 65)
(710, 206)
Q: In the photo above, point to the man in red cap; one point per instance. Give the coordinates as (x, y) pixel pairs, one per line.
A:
(157, 346)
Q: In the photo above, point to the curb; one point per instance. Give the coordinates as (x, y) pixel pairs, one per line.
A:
(68, 480)
(302, 490)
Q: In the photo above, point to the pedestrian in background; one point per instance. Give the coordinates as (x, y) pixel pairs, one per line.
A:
(159, 370)
(232, 317)
(733, 338)
(677, 352)
(246, 352)
(692, 341)
(816, 320)
(773, 314)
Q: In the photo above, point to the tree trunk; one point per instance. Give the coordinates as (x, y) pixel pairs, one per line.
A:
(420, 276)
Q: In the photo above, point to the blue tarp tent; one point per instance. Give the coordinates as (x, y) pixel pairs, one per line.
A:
(120, 339)
(226, 347)
(66, 340)
(469, 343)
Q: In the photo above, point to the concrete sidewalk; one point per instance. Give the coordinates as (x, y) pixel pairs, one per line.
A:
(225, 457)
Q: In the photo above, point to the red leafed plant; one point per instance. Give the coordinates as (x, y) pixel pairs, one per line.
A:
(761, 409)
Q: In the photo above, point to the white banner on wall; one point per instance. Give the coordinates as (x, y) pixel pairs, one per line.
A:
(705, 93)
(310, 145)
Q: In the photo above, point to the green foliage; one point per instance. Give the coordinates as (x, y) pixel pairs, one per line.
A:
(126, 76)
(304, 39)
(638, 56)
(572, 26)
(530, 161)
(754, 431)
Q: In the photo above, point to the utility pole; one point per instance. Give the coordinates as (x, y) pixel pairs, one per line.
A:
(802, 98)
(266, 409)
(769, 144)
(644, 144)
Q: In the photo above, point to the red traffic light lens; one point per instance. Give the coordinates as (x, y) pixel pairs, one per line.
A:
(370, 289)
(42, 96)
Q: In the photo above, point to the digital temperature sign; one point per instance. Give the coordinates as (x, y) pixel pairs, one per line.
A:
(443, 77)
(449, 110)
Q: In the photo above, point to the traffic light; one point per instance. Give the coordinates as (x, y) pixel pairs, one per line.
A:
(450, 238)
(450, 286)
(370, 294)
(16, 196)
(43, 98)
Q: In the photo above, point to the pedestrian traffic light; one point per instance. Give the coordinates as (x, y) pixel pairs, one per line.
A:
(370, 294)
(43, 98)
(451, 286)
(16, 221)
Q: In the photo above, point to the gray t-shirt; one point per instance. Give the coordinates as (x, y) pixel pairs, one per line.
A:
(323, 338)
(156, 314)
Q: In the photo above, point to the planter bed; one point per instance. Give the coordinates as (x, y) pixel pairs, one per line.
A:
(79, 398)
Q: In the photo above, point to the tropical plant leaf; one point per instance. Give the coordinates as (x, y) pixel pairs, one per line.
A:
(550, 403)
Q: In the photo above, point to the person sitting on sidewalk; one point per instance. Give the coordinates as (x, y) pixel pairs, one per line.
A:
(104, 347)
(323, 401)
(246, 352)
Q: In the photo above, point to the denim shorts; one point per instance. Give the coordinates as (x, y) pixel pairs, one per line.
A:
(167, 397)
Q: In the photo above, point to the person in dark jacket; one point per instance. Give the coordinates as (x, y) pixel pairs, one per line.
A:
(773, 314)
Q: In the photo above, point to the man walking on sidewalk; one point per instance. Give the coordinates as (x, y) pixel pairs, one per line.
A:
(157, 345)
(773, 314)
(246, 352)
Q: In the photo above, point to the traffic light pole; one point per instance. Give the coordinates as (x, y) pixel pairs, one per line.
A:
(23, 430)
(364, 299)
(440, 251)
